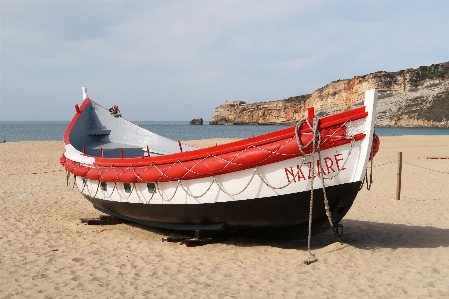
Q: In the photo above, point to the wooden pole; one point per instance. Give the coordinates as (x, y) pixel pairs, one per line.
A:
(398, 186)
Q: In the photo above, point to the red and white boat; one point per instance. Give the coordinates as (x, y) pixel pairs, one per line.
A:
(260, 182)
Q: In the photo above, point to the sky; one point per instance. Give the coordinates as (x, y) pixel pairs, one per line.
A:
(179, 60)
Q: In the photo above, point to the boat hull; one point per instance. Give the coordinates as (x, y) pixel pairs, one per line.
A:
(262, 182)
(281, 212)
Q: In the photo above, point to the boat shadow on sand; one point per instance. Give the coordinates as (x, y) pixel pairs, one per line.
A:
(371, 235)
(364, 235)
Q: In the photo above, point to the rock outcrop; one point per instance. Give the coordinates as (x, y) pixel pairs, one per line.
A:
(196, 121)
(408, 98)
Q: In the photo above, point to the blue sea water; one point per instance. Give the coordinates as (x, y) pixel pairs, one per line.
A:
(12, 131)
(389, 131)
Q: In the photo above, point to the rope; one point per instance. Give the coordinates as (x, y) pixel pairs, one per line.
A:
(125, 197)
(370, 182)
(37, 172)
(316, 148)
(312, 257)
(424, 167)
(385, 163)
(161, 194)
(145, 201)
(316, 143)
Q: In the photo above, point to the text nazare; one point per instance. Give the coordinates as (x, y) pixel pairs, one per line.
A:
(329, 164)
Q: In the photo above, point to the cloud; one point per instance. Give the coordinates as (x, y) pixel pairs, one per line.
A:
(189, 56)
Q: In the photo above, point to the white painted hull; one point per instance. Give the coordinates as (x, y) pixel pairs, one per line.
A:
(283, 177)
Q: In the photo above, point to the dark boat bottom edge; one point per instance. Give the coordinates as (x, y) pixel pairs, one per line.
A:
(283, 217)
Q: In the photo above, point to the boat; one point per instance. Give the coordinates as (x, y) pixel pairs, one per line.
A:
(270, 181)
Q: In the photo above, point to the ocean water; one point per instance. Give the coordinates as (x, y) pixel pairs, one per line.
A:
(384, 131)
(176, 130)
(12, 131)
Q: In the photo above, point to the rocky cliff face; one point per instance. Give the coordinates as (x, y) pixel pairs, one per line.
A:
(409, 98)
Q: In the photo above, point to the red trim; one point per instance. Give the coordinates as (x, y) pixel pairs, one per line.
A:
(74, 120)
(311, 115)
(346, 116)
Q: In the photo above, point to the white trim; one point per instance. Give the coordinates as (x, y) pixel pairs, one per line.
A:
(243, 184)
(72, 154)
(370, 106)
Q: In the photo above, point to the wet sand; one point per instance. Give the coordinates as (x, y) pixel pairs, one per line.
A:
(390, 249)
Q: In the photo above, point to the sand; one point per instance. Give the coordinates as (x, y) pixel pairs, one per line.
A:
(390, 249)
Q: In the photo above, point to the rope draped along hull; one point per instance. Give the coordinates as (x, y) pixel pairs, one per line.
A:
(259, 182)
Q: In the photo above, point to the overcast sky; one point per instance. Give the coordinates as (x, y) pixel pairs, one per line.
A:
(178, 60)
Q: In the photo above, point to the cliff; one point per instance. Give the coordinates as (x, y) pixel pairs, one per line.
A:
(408, 98)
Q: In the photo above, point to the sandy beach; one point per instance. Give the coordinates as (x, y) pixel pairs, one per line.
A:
(390, 249)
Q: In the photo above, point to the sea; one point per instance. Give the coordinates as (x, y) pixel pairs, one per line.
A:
(13, 131)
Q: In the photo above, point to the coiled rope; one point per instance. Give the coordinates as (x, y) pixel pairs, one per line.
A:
(315, 142)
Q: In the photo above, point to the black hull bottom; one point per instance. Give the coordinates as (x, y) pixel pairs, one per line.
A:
(286, 212)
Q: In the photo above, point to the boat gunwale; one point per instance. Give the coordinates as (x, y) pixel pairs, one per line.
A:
(227, 148)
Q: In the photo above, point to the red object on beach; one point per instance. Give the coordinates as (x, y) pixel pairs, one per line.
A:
(375, 147)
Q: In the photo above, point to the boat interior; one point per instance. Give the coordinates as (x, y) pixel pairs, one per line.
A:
(96, 132)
